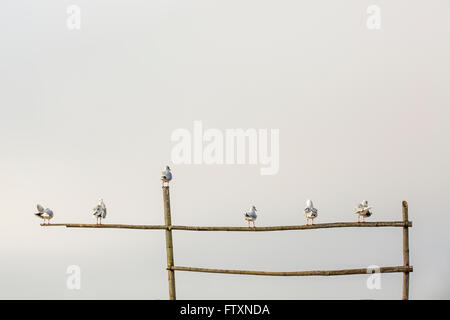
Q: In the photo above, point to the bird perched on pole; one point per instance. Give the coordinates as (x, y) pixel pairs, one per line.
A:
(251, 216)
(310, 212)
(363, 210)
(99, 211)
(166, 176)
(45, 214)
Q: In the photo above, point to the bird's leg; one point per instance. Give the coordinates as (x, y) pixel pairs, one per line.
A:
(248, 224)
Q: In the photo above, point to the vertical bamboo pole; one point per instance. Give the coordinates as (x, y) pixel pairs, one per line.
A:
(169, 243)
(405, 295)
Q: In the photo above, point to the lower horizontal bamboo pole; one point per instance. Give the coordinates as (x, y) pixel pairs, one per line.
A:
(403, 224)
(298, 273)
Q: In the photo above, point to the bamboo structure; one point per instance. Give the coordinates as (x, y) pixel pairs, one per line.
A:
(405, 224)
(405, 293)
(169, 242)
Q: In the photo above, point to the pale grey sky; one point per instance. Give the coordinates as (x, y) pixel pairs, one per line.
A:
(84, 114)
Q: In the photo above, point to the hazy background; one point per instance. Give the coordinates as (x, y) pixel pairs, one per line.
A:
(363, 114)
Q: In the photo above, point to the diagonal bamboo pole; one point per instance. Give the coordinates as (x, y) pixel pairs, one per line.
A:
(405, 293)
(169, 242)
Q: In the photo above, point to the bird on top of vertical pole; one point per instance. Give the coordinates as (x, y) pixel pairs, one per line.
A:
(166, 176)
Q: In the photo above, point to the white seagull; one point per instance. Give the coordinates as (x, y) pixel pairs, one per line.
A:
(99, 211)
(363, 210)
(45, 214)
(166, 175)
(310, 212)
(251, 216)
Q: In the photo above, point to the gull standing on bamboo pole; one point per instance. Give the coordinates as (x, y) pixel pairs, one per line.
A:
(251, 216)
(310, 212)
(166, 176)
(99, 211)
(363, 210)
(45, 214)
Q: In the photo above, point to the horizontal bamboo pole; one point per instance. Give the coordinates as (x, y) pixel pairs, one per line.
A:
(297, 273)
(402, 224)
(300, 227)
(110, 226)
